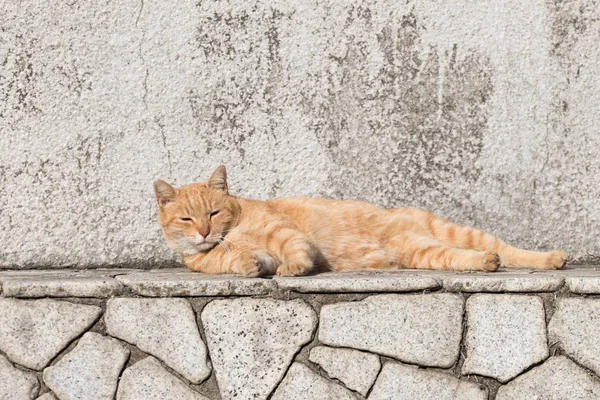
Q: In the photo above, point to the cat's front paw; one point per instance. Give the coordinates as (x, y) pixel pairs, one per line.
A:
(293, 269)
(256, 263)
(556, 260)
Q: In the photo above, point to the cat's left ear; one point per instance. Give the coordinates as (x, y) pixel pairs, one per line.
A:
(164, 192)
(218, 179)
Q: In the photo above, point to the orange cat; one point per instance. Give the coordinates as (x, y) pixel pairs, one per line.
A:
(219, 233)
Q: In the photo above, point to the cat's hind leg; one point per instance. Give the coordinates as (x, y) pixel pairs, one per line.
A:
(467, 237)
(513, 257)
(423, 252)
(471, 238)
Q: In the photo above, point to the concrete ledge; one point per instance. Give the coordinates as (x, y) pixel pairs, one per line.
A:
(504, 282)
(172, 334)
(359, 282)
(56, 286)
(183, 283)
(179, 282)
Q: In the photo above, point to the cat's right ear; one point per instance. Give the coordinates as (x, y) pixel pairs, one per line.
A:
(218, 179)
(164, 192)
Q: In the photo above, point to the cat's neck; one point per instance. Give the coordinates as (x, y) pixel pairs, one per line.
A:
(249, 207)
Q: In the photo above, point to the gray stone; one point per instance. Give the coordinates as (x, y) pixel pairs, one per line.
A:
(301, 383)
(252, 341)
(404, 382)
(90, 371)
(16, 384)
(424, 329)
(355, 369)
(74, 271)
(165, 284)
(503, 282)
(148, 380)
(584, 285)
(575, 326)
(557, 379)
(12, 273)
(33, 332)
(583, 280)
(47, 396)
(165, 328)
(176, 270)
(505, 335)
(354, 282)
(60, 286)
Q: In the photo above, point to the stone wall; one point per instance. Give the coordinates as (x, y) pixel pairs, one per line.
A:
(176, 335)
(485, 112)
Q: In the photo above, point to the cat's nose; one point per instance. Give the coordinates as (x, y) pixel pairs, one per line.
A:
(204, 232)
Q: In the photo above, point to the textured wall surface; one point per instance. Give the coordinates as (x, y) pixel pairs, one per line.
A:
(485, 112)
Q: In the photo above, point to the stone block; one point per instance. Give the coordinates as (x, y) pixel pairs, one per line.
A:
(148, 380)
(501, 282)
(575, 326)
(584, 282)
(181, 284)
(355, 369)
(90, 371)
(424, 330)
(16, 384)
(68, 272)
(557, 379)
(356, 282)
(60, 286)
(301, 383)
(505, 335)
(253, 341)
(165, 328)
(33, 332)
(404, 382)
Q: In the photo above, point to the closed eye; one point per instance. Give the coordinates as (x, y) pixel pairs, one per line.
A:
(186, 219)
(212, 214)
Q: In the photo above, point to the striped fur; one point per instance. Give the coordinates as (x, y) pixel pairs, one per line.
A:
(220, 233)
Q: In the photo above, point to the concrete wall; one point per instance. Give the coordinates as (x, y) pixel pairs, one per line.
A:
(485, 112)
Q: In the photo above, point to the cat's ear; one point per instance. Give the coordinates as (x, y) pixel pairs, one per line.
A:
(164, 192)
(218, 179)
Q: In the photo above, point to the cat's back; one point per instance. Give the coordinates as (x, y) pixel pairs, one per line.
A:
(320, 215)
(314, 205)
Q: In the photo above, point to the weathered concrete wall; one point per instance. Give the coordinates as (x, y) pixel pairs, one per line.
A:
(485, 112)
(170, 335)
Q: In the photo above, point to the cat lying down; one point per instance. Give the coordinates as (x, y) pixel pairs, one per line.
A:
(217, 233)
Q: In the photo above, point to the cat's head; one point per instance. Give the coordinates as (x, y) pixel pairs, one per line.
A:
(195, 217)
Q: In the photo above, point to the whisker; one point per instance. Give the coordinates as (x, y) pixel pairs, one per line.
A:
(230, 241)
(225, 232)
(225, 247)
(222, 243)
